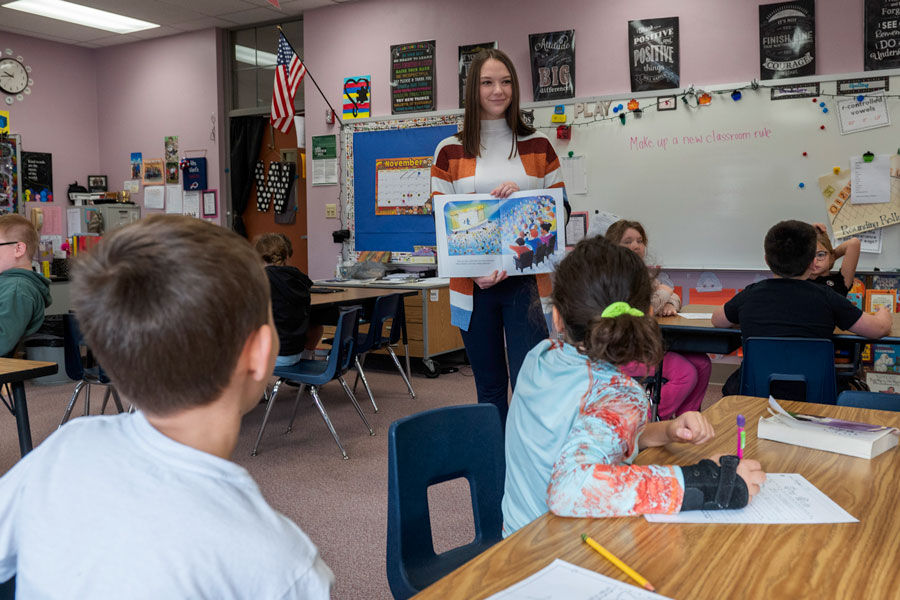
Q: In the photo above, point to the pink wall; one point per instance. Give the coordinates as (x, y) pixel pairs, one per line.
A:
(152, 89)
(60, 115)
(719, 44)
(91, 108)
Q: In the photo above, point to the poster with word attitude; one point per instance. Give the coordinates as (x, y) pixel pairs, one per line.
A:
(653, 54)
(552, 64)
(787, 39)
(466, 55)
(403, 186)
(412, 77)
(357, 97)
(882, 31)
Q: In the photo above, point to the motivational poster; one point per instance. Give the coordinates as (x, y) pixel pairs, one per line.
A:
(412, 77)
(466, 55)
(787, 39)
(882, 32)
(553, 64)
(37, 176)
(653, 54)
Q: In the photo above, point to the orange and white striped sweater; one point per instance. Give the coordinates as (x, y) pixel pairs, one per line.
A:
(534, 167)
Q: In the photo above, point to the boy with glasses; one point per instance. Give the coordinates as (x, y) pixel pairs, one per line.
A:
(23, 293)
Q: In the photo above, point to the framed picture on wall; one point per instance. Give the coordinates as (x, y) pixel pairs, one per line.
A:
(97, 183)
(153, 171)
(210, 204)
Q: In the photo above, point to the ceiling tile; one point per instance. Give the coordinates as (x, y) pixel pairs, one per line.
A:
(204, 23)
(254, 15)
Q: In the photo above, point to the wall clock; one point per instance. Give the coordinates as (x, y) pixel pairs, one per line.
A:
(15, 77)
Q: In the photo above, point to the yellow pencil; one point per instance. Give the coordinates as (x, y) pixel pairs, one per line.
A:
(612, 558)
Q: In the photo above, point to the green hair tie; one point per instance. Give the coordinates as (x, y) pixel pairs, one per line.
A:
(617, 309)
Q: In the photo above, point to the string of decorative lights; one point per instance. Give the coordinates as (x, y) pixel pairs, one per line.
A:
(693, 98)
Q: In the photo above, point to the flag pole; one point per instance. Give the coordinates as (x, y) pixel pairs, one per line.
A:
(308, 72)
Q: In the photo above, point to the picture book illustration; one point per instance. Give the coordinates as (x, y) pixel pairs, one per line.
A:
(477, 233)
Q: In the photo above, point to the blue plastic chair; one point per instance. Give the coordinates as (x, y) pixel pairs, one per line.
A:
(874, 400)
(426, 449)
(85, 376)
(316, 373)
(387, 308)
(793, 362)
(8, 589)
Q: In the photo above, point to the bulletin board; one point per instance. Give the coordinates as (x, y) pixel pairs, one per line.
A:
(364, 144)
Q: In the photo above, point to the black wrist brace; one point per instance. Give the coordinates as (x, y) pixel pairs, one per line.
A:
(708, 486)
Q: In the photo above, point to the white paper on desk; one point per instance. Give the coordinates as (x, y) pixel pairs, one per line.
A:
(870, 181)
(564, 581)
(785, 499)
(697, 316)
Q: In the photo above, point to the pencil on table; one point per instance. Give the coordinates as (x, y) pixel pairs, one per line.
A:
(614, 560)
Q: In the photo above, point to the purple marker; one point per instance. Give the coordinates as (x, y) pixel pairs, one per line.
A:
(741, 440)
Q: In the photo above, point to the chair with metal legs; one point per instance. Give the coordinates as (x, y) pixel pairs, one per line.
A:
(387, 308)
(85, 376)
(316, 373)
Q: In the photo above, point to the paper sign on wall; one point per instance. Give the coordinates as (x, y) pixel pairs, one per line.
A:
(855, 115)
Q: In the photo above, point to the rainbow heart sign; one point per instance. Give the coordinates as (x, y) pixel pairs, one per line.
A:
(357, 97)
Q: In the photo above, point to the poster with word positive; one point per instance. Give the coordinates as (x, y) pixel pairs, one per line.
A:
(653, 54)
(882, 31)
(552, 64)
(357, 97)
(37, 176)
(787, 39)
(466, 55)
(412, 77)
(403, 186)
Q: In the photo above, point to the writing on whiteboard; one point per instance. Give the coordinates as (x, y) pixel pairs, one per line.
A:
(646, 142)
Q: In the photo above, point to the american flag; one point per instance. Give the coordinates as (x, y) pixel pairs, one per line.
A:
(288, 74)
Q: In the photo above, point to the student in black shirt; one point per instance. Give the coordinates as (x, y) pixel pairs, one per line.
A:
(789, 305)
(290, 287)
(841, 281)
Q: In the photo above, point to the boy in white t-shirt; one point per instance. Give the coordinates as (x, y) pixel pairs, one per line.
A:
(148, 505)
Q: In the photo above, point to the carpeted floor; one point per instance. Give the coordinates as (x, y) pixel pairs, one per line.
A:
(342, 505)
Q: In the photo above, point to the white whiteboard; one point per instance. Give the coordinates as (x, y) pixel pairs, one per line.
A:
(708, 205)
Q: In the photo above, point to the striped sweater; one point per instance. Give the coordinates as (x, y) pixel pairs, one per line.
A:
(454, 172)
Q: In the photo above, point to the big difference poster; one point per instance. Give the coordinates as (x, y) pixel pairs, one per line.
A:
(553, 64)
(412, 77)
(882, 32)
(653, 54)
(787, 39)
(466, 55)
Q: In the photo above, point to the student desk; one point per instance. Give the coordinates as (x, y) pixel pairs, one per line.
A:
(427, 307)
(846, 560)
(15, 372)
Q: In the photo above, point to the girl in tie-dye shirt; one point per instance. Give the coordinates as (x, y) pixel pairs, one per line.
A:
(576, 421)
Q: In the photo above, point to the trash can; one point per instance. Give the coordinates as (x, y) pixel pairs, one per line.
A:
(48, 348)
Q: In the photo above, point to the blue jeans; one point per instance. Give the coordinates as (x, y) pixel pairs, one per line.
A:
(511, 307)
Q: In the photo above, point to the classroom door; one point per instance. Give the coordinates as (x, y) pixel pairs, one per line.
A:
(277, 146)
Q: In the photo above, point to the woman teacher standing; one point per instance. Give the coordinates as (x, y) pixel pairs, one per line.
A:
(496, 153)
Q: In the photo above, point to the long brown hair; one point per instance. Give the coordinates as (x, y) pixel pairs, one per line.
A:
(617, 230)
(590, 278)
(470, 136)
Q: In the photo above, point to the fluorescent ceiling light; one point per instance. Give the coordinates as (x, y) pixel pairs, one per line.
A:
(254, 57)
(81, 15)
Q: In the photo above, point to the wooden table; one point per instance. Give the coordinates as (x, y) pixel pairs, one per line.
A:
(694, 561)
(15, 372)
(349, 296)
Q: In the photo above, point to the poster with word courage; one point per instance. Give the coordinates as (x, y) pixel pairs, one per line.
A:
(553, 64)
(653, 54)
(403, 186)
(882, 30)
(412, 77)
(787, 39)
